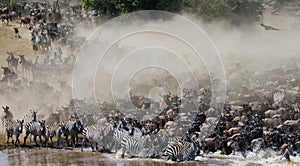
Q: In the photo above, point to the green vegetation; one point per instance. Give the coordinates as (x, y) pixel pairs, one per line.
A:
(13, 4)
(118, 7)
(237, 11)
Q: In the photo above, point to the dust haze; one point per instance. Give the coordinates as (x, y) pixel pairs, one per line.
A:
(242, 49)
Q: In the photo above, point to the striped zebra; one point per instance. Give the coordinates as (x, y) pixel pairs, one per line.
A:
(181, 150)
(36, 129)
(30, 118)
(135, 147)
(54, 131)
(13, 128)
(108, 140)
(136, 132)
(118, 135)
(94, 134)
(7, 115)
(165, 137)
(71, 128)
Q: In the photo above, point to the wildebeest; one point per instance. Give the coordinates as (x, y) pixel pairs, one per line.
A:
(286, 150)
(17, 32)
(272, 122)
(24, 21)
(257, 144)
(5, 18)
(271, 113)
(12, 15)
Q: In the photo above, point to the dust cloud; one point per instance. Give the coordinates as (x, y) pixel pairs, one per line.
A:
(245, 48)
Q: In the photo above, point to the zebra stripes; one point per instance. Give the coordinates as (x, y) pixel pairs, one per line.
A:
(71, 128)
(36, 129)
(135, 147)
(118, 135)
(7, 115)
(54, 131)
(13, 128)
(181, 150)
(95, 135)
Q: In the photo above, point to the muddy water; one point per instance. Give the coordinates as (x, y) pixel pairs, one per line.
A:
(62, 157)
(71, 157)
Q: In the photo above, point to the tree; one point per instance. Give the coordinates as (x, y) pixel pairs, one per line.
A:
(237, 11)
(118, 7)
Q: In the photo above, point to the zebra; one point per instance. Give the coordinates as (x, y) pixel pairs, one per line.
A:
(136, 132)
(36, 129)
(163, 138)
(26, 65)
(54, 131)
(8, 76)
(13, 128)
(7, 115)
(12, 62)
(182, 150)
(135, 147)
(72, 127)
(118, 135)
(133, 131)
(30, 118)
(107, 140)
(94, 134)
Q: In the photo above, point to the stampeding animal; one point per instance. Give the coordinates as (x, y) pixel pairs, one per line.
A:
(135, 146)
(26, 65)
(37, 129)
(72, 128)
(182, 150)
(24, 21)
(7, 115)
(12, 62)
(17, 34)
(5, 19)
(95, 134)
(13, 128)
(8, 75)
(54, 130)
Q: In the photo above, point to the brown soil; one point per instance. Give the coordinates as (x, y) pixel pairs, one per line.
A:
(10, 43)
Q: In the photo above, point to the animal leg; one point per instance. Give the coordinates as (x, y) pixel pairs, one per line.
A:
(25, 138)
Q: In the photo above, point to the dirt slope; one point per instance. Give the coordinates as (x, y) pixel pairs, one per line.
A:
(10, 43)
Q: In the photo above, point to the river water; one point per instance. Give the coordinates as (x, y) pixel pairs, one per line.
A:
(71, 157)
(42, 156)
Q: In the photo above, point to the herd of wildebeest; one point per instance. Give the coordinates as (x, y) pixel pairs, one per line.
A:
(262, 110)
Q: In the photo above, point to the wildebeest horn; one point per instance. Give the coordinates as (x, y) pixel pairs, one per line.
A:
(197, 132)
